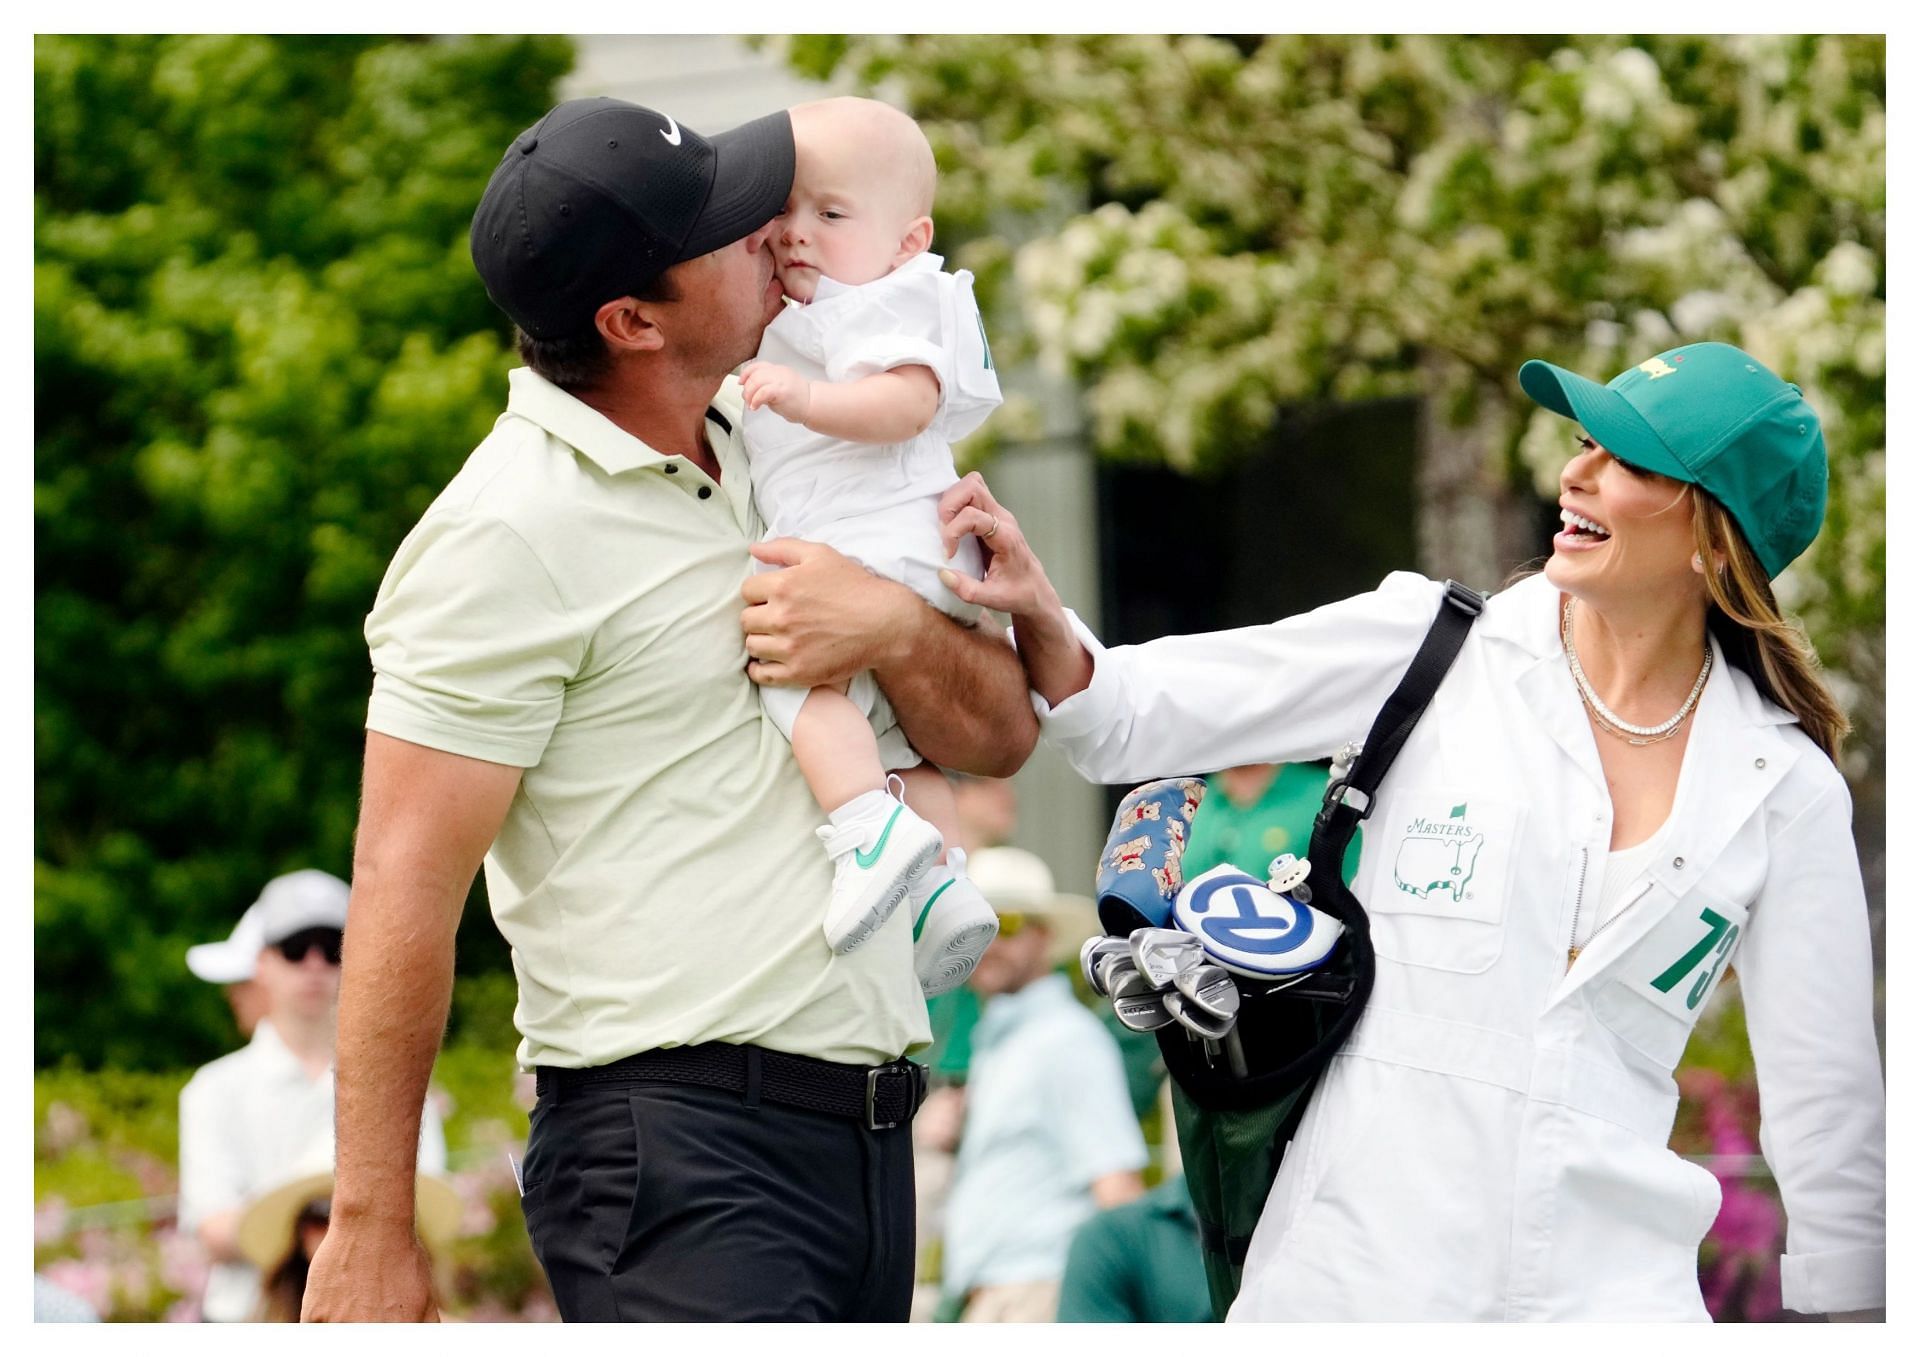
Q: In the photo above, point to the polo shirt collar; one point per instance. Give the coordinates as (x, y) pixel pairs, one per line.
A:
(577, 424)
(273, 1053)
(924, 262)
(1005, 1012)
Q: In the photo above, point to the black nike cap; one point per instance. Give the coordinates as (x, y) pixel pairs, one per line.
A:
(601, 196)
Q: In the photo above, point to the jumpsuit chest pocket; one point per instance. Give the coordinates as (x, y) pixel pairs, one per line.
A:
(1652, 995)
(1438, 882)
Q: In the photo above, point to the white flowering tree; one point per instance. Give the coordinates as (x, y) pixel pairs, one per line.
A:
(1201, 230)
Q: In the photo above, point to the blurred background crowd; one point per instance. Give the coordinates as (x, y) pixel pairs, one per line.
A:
(1258, 302)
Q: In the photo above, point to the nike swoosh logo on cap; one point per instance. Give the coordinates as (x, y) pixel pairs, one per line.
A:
(672, 138)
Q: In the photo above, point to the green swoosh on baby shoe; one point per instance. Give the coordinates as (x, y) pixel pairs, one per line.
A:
(927, 909)
(867, 860)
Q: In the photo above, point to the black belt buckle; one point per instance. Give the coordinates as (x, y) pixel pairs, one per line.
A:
(905, 1071)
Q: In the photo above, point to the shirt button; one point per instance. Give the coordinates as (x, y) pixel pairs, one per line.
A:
(673, 468)
(706, 492)
(1678, 863)
(1759, 763)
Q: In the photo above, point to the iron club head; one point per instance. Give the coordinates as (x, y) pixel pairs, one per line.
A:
(1110, 967)
(1129, 983)
(1162, 953)
(1195, 1019)
(1211, 989)
(1142, 1012)
(1095, 950)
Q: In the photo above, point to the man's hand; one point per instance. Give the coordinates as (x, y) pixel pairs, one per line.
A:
(777, 387)
(371, 1271)
(426, 820)
(822, 618)
(959, 691)
(938, 1123)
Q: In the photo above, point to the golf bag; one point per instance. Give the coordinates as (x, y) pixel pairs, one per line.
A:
(1234, 1130)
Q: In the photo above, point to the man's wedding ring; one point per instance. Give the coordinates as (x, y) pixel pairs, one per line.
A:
(993, 526)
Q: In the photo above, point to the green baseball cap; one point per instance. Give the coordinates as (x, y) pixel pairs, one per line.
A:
(1715, 417)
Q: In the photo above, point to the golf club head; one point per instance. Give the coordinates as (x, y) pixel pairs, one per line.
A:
(1202, 1024)
(1095, 950)
(1129, 983)
(1111, 967)
(1144, 1011)
(1210, 989)
(1162, 953)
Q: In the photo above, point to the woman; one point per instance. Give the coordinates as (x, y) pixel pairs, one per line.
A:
(1625, 784)
(281, 1230)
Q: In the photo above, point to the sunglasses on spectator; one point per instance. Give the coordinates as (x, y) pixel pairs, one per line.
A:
(295, 946)
(1012, 923)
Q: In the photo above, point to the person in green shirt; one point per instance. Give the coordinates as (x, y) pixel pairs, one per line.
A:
(1138, 1264)
(1254, 813)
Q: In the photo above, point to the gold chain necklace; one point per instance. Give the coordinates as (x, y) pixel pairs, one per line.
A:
(1613, 725)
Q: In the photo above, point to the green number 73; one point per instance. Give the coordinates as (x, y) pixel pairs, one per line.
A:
(1719, 931)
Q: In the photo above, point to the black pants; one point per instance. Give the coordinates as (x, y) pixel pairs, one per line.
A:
(655, 1201)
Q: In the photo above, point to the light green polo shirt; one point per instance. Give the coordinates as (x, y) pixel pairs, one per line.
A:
(570, 605)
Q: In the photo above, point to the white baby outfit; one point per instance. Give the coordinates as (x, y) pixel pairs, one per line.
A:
(876, 503)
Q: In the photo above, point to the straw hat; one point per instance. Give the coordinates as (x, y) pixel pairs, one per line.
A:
(265, 1236)
(1018, 882)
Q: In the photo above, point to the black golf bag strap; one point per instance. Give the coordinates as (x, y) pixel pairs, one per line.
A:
(1347, 802)
(1232, 1247)
(1350, 799)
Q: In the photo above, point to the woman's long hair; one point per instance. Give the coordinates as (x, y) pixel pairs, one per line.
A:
(1755, 635)
(282, 1293)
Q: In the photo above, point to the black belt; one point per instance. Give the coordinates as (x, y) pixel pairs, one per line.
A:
(879, 1097)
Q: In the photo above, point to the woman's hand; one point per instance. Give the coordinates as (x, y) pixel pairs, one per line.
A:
(1058, 666)
(1016, 583)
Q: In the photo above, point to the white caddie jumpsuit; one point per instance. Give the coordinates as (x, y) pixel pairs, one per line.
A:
(1491, 1143)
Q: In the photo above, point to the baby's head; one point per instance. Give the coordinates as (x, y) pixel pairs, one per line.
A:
(862, 190)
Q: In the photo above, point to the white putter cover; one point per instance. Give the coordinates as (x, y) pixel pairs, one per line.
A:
(1251, 931)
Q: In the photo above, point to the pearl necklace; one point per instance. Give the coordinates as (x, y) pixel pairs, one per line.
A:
(1612, 724)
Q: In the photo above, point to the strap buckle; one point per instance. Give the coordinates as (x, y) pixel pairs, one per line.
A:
(1468, 600)
(911, 1075)
(1343, 793)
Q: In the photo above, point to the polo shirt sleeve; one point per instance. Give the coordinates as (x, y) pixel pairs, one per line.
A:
(472, 642)
(210, 1172)
(1092, 1112)
(927, 319)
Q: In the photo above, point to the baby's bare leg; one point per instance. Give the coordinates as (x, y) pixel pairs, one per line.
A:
(930, 796)
(836, 750)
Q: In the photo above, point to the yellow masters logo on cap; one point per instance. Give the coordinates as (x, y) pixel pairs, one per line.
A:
(1658, 367)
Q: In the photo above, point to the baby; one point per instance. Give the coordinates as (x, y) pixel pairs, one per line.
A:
(850, 407)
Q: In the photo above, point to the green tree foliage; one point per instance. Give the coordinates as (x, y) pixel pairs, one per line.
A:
(1201, 230)
(260, 349)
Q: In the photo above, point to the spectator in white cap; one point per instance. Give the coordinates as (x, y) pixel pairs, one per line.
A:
(229, 964)
(249, 1117)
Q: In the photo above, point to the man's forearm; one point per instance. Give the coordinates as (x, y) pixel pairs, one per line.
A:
(426, 820)
(220, 1236)
(394, 993)
(960, 694)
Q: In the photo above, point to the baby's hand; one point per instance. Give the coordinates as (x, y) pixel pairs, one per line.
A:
(778, 388)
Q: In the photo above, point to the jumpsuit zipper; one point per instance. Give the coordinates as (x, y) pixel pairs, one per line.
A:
(1579, 894)
(1573, 953)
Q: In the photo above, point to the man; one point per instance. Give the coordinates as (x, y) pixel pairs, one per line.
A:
(248, 1118)
(562, 687)
(1049, 1134)
(229, 964)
